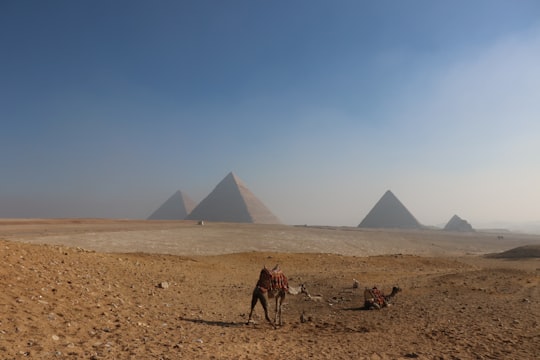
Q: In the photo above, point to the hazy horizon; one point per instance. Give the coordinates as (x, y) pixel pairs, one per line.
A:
(319, 107)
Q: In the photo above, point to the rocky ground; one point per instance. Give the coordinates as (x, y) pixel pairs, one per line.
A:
(82, 301)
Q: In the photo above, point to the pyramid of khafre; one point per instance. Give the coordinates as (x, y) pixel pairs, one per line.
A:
(177, 207)
(458, 224)
(232, 201)
(389, 212)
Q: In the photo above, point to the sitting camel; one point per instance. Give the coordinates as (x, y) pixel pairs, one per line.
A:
(375, 299)
(275, 283)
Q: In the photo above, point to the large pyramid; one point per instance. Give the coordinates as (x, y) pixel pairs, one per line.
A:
(177, 207)
(389, 212)
(232, 201)
(458, 224)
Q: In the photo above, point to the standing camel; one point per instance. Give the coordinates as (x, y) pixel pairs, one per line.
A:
(274, 282)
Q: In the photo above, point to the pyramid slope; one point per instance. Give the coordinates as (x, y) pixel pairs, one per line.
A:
(389, 212)
(177, 207)
(232, 201)
(458, 224)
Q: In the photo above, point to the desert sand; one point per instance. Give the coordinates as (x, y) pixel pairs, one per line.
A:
(111, 289)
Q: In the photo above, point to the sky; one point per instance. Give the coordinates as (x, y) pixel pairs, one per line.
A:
(109, 107)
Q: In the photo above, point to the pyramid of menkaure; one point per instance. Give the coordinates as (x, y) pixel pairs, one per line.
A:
(389, 212)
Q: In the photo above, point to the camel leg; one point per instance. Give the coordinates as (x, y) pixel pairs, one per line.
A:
(259, 296)
(279, 302)
(282, 300)
(278, 305)
(254, 300)
(264, 304)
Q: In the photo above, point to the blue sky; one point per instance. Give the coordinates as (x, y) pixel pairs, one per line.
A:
(107, 108)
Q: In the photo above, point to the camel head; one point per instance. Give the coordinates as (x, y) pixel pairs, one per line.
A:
(303, 289)
(395, 290)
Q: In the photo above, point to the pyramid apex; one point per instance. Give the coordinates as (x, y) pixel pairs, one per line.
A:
(231, 175)
(389, 193)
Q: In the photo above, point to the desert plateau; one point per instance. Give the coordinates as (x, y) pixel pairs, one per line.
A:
(127, 289)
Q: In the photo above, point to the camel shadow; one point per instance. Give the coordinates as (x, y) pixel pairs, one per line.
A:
(214, 323)
(359, 308)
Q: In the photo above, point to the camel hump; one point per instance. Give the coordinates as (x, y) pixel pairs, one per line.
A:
(374, 295)
(279, 280)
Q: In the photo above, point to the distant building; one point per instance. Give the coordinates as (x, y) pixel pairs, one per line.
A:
(177, 207)
(458, 224)
(232, 201)
(389, 212)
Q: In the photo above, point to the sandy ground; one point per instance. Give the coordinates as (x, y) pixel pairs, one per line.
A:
(102, 289)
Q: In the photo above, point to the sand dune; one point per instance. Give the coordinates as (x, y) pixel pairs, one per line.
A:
(520, 252)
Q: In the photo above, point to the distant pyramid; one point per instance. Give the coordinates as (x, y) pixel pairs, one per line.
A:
(177, 207)
(389, 212)
(458, 224)
(232, 201)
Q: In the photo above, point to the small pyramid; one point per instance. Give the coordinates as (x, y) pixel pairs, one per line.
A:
(458, 224)
(389, 212)
(177, 207)
(232, 201)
